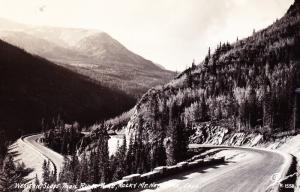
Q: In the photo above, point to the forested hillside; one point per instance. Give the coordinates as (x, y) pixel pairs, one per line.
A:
(32, 89)
(249, 85)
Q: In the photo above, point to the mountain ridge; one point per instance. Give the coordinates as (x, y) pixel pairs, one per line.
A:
(92, 53)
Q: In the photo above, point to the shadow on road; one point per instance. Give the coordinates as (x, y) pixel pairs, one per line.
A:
(184, 175)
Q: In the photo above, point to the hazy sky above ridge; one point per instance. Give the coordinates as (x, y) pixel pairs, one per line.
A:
(169, 32)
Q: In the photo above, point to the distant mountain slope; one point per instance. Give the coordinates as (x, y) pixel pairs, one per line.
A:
(32, 88)
(248, 86)
(38, 46)
(91, 53)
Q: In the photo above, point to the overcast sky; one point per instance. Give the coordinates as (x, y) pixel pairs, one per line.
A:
(169, 32)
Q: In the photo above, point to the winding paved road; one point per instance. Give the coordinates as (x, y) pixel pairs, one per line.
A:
(251, 172)
(56, 159)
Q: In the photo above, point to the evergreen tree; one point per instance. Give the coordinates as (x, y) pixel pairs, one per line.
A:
(74, 169)
(130, 157)
(65, 175)
(46, 172)
(204, 110)
(37, 184)
(94, 167)
(170, 141)
(119, 161)
(11, 175)
(182, 141)
(193, 64)
(207, 58)
(267, 110)
(253, 109)
(84, 170)
(103, 155)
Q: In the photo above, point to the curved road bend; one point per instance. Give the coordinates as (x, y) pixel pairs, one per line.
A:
(56, 158)
(251, 173)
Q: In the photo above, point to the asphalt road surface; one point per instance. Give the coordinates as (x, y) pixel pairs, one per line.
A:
(53, 156)
(252, 172)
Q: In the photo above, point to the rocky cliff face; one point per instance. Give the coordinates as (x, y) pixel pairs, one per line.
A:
(215, 134)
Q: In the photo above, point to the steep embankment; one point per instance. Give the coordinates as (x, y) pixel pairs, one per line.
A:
(32, 88)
